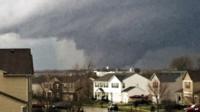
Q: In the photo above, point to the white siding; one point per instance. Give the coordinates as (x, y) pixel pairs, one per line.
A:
(114, 94)
(137, 81)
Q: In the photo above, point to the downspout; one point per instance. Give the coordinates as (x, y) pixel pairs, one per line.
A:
(29, 93)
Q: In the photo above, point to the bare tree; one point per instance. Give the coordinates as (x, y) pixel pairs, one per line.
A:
(158, 92)
(198, 64)
(181, 63)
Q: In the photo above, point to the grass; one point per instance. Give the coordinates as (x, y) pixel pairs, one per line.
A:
(125, 107)
(129, 108)
(122, 107)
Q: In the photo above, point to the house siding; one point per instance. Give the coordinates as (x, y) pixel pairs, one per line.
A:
(14, 86)
(187, 91)
(171, 88)
(9, 105)
(137, 81)
(170, 93)
(196, 86)
(114, 94)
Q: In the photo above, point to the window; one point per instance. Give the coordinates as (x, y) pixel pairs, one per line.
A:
(46, 85)
(101, 84)
(187, 85)
(155, 84)
(115, 85)
(57, 86)
(96, 84)
(72, 85)
(105, 84)
(65, 85)
(123, 85)
(24, 109)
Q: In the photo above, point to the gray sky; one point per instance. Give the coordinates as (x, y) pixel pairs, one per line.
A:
(63, 33)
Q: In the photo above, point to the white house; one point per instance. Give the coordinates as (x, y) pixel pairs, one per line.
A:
(119, 87)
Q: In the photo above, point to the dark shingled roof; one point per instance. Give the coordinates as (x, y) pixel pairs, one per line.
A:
(16, 61)
(120, 76)
(194, 75)
(170, 76)
(146, 75)
(38, 79)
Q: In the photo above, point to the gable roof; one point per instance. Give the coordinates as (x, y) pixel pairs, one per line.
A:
(169, 76)
(194, 75)
(120, 76)
(16, 61)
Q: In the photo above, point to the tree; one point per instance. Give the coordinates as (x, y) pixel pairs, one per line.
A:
(182, 63)
(158, 92)
(198, 64)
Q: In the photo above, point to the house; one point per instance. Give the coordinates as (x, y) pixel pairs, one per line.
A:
(47, 87)
(135, 85)
(62, 87)
(70, 88)
(109, 87)
(191, 87)
(16, 70)
(164, 85)
(119, 87)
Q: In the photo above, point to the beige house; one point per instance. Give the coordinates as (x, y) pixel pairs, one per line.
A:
(165, 84)
(64, 88)
(191, 87)
(16, 69)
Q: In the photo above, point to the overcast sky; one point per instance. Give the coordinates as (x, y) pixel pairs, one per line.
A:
(64, 33)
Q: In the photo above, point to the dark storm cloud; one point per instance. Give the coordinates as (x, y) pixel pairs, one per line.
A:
(119, 32)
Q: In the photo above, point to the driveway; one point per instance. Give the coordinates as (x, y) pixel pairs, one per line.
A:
(95, 109)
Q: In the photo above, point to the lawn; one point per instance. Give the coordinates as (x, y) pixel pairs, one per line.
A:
(126, 107)
(122, 107)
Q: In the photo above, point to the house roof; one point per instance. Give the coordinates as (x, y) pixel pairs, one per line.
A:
(169, 76)
(128, 89)
(16, 61)
(194, 75)
(38, 80)
(180, 90)
(56, 78)
(147, 75)
(61, 72)
(120, 76)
